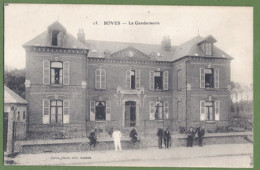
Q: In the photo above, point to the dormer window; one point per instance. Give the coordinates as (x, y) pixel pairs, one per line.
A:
(54, 38)
(208, 49)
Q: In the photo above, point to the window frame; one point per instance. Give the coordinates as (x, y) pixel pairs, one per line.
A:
(208, 48)
(98, 79)
(60, 76)
(54, 36)
(105, 106)
(56, 112)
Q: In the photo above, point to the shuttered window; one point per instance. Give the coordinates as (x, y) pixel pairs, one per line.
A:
(202, 111)
(46, 72)
(46, 112)
(66, 74)
(216, 77)
(66, 111)
(166, 110)
(217, 110)
(108, 110)
(165, 80)
(202, 78)
(152, 110)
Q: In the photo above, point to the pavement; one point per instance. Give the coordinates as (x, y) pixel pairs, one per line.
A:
(150, 157)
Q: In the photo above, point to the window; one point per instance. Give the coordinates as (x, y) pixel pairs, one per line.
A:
(133, 79)
(159, 80)
(23, 115)
(54, 39)
(209, 110)
(18, 116)
(100, 110)
(159, 110)
(179, 80)
(208, 49)
(209, 78)
(56, 73)
(100, 79)
(55, 111)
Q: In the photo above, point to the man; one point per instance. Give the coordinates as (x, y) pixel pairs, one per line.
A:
(117, 137)
(133, 135)
(190, 136)
(160, 136)
(167, 138)
(201, 133)
(92, 137)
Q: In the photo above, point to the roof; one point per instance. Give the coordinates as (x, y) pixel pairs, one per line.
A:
(192, 48)
(155, 51)
(11, 97)
(43, 40)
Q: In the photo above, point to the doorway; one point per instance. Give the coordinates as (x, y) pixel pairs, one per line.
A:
(130, 114)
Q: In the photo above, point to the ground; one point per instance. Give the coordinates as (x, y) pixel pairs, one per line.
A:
(226, 155)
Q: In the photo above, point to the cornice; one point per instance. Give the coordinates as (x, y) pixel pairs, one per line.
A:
(56, 50)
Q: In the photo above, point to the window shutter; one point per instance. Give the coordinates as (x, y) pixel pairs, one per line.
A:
(216, 77)
(92, 114)
(152, 110)
(97, 78)
(66, 73)
(165, 80)
(103, 79)
(217, 110)
(166, 110)
(66, 111)
(108, 110)
(137, 79)
(128, 79)
(151, 80)
(45, 112)
(202, 111)
(202, 78)
(46, 72)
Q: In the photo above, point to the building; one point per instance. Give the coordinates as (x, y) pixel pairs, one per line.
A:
(75, 85)
(15, 118)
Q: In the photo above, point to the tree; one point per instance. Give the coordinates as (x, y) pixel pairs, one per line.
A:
(14, 79)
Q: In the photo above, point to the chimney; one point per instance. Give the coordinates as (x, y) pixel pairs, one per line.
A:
(81, 36)
(166, 43)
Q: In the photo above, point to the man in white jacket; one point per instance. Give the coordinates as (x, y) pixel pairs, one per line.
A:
(117, 137)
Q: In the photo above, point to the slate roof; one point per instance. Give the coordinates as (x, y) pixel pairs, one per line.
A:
(43, 40)
(11, 97)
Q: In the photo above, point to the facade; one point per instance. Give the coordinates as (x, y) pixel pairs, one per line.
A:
(15, 118)
(75, 85)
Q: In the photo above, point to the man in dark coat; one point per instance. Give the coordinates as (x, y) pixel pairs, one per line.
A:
(92, 137)
(160, 136)
(133, 135)
(190, 136)
(167, 138)
(201, 133)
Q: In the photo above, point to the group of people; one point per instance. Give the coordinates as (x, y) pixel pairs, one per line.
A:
(191, 134)
(162, 136)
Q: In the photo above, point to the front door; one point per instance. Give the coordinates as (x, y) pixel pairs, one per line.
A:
(130, 114)
(5, 129)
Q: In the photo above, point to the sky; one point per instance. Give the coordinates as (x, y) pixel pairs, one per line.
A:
(232, 27)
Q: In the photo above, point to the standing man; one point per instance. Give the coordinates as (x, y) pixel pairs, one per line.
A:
(133, 135)
(190, 136)
(160, 136)
(167, 138)
(201, 133)
(92, 137)
(117, 139)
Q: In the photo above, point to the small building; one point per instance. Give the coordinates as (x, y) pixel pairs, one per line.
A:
(15, 119)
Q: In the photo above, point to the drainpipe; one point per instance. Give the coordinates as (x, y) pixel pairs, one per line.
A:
(186, 62)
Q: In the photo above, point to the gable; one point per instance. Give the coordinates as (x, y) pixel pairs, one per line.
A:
(130, 53)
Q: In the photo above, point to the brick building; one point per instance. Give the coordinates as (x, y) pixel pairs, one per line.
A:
(76, 85)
